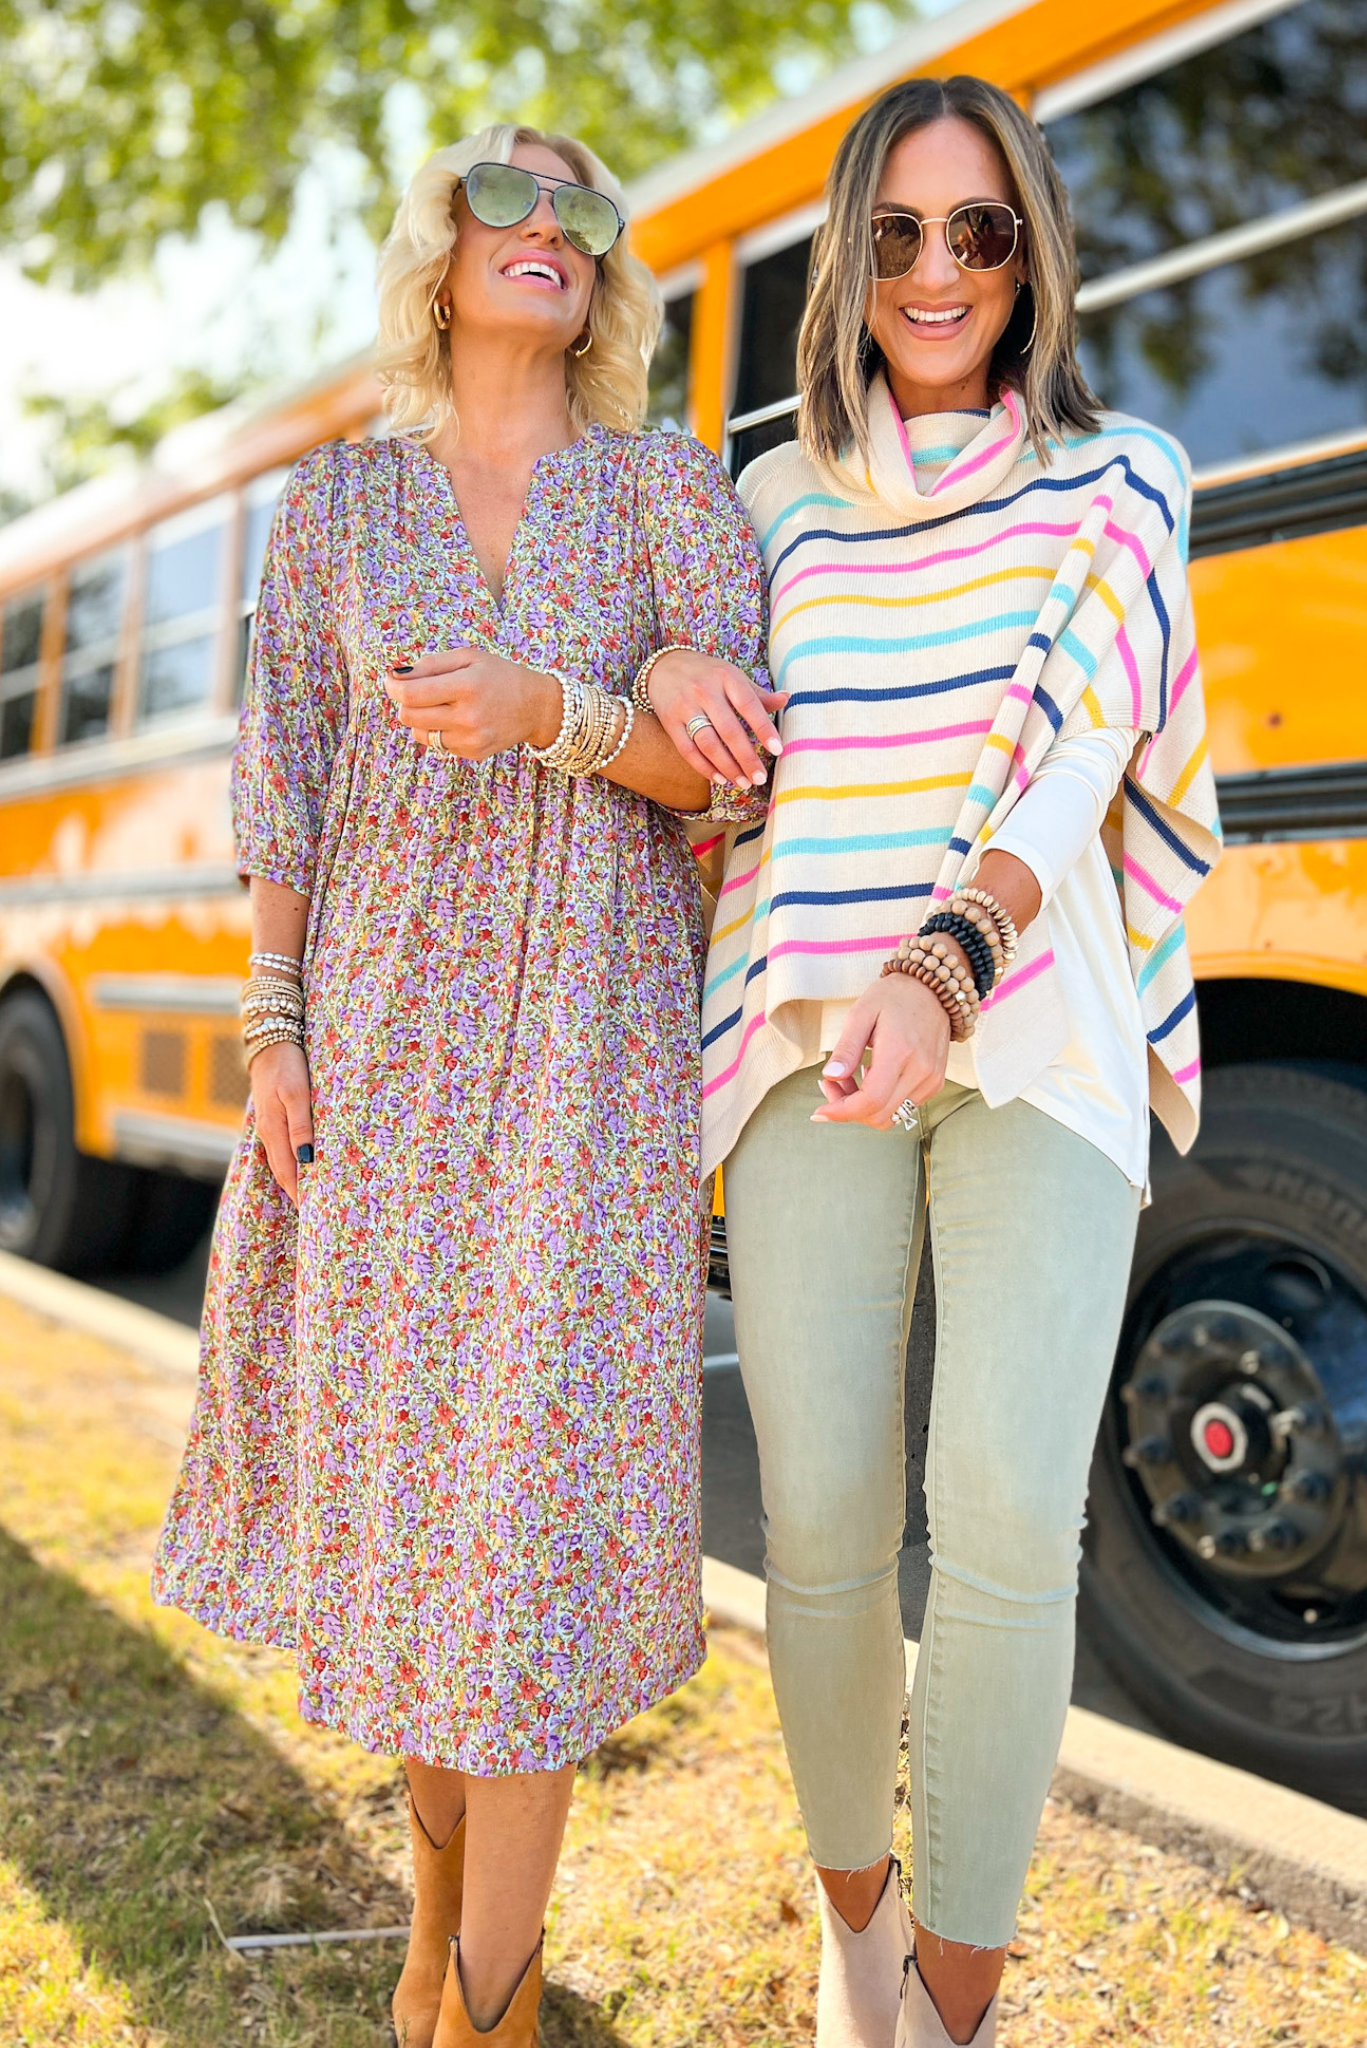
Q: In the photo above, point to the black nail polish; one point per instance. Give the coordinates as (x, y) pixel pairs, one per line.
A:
(304, 1154)
(405, 670)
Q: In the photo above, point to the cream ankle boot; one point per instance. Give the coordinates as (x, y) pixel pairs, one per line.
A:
(858, 1995)
(919, 2024)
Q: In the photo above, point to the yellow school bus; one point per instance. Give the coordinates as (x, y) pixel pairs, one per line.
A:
(1217, 160)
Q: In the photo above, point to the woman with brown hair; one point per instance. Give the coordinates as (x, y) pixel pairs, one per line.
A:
(446, 1441)
(949, 974)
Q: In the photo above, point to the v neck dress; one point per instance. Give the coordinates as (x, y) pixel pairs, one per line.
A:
(447, 1435)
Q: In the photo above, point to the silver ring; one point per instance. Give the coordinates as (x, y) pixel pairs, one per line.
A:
(907, 1115)
(695, 725)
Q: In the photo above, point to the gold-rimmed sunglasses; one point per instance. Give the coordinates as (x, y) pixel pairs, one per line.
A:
(980, 235)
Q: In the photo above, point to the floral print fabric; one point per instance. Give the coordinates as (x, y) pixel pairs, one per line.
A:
(446, 1440)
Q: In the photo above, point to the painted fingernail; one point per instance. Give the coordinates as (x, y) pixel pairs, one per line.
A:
(304, 1154)
(759, 777)
(405, 670)
(835, 1070)
(776, 745)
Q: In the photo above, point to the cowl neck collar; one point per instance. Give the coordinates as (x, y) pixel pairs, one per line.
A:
(934, 465)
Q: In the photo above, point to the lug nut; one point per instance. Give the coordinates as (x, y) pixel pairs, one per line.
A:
(1276, 1535)
(1150, 1450)
(1231, 1543)
(1306, 1486)
(1180, 1509)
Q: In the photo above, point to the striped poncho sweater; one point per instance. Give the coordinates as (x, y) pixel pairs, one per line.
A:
(941, 617)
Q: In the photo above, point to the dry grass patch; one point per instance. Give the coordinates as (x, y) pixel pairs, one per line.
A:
(154, 1778)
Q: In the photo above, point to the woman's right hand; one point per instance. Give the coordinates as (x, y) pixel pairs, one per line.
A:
(906, 1031)
(284, 1110)
(684, 685)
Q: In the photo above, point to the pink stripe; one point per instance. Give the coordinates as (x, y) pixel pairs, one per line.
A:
(940, 892)
(1146, 881)
(701, 851)
(1019, 980)
(1020, 693)
(1131, 541)
(1185, 1074)
(739, 881)
(1183, 677)
(958, 470)
(1132, 671)
(896, 739)
(888, 944)
(730, 1073)
(902, 437)
(1030, 526)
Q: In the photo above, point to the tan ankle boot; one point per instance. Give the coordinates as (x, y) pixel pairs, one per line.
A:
(920, 2025)
(859, 1991)
(438, 1885)
(518, 2027)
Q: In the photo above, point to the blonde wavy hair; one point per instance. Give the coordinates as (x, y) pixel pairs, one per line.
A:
(607, 385)
(1037, 353)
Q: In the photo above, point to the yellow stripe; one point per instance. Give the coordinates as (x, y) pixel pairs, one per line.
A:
(1137, 939)
(1003, 745)
(1107, 596)
(1094, 710)
(1183, 782)
(826, 796)
(1035, 569)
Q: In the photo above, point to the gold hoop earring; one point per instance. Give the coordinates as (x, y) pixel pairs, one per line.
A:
(587, 339)
(1029, 341)
(441, 313)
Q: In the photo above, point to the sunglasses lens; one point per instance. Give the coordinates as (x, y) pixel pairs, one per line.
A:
(590, 220)
(983, 236)
(896, 244)
(500, 194)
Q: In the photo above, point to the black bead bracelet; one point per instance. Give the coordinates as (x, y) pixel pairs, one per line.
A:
(966, 934)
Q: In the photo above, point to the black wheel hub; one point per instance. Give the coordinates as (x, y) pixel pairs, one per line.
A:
(17, 1132)
(1242, 1418)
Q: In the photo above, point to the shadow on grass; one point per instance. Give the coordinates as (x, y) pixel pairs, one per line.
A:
(133, 1798)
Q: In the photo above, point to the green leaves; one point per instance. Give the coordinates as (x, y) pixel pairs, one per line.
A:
(122, 120)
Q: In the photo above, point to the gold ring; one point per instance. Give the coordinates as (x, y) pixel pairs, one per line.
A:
(436, 740)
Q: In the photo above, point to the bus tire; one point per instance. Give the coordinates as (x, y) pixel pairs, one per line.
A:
(58, 1206)
(169, 1214)
(1230, 1603)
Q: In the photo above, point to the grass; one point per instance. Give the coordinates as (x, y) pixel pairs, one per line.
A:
(157, 1788)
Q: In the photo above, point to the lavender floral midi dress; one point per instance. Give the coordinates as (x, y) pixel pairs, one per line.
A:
(447, 1434)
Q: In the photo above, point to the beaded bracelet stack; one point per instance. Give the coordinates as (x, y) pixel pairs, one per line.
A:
(640, 696)
(985, 933)
(590, 737)
(272, 1005)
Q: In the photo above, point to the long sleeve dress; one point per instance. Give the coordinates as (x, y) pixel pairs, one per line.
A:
(446, 1439)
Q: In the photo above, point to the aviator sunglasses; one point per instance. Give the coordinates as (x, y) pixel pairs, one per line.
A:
(501, 195)
(980, 235)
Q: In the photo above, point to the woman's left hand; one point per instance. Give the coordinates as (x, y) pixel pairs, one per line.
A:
(479, 702)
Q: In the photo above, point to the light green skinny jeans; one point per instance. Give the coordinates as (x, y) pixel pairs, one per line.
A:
(1033, 1231)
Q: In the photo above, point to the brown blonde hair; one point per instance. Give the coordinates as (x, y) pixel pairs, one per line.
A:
(836, 354)
(606, 385)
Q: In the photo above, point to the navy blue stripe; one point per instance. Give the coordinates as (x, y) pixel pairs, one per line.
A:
(1166, 631)
(903, 691)
(1174, 1017)
(1048, 706)
(1165, 832)
(959, 845)
(924, 526)
(720, 1030)
(834, 896)
(751, 832)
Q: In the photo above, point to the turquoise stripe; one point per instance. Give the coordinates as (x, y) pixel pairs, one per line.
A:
(720, 980)
(866, 842)
(1070, 644)
(860, 643)
(979, 793)
(798, 505)
(1176, 938)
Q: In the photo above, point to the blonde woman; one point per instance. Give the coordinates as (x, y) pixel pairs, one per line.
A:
(980, 613)
(446, 1443)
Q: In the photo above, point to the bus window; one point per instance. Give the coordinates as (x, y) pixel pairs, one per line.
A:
(771, 312)
(669, 365)
(259, 512)
(181, 610)
(1268, 119)
(1251, 355)
(21, 632)
(94, 610)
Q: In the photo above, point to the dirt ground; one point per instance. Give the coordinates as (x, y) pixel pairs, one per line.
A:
(158, 1791)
